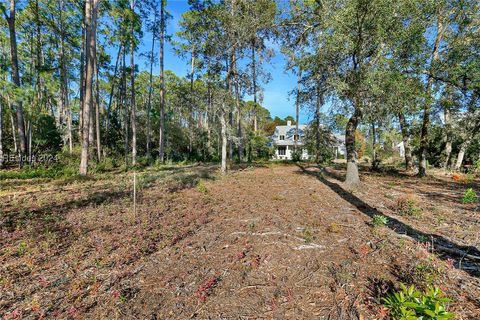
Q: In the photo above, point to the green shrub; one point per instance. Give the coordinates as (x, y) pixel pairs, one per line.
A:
(411, 304)
(201, 187)
(470, 196)
(296, 156)
(407, 206)
(105, 165)
(379, 220)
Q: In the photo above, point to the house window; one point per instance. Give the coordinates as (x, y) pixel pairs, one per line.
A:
(295, 137)
(282, 151)
(282, 137)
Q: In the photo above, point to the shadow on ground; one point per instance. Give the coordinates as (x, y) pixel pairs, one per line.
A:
(398, 226)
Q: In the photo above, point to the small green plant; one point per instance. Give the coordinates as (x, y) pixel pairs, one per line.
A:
(470, 196)
(411, 304)
(407, 206)
(22, 248)
(379, 220)
(307, 235)
(201, 187)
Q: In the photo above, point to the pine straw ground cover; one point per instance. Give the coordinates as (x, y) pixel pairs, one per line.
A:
(268, 242)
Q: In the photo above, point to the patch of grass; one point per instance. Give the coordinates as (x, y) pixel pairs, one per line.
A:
(470, 196)
(379, 220)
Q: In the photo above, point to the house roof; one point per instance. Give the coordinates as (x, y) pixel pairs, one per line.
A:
(286, 129)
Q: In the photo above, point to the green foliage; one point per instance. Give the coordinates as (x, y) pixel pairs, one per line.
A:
(412, 304)
(296, 156)
(470, 196)
(22, 248)
(257, 148)
(201, 187)
(408, 206)
(379, 220)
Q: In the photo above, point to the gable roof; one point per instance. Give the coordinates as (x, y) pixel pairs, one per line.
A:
(284, 130)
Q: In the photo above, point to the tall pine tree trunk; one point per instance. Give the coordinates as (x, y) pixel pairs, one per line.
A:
(239, 110)
(126, 114)
(91, 16)
(161, 138)
(224, 138)
(82, 72)
(16, 81)
(150, 89)
(132, 86)
(97, 111)
(192, 101)
(254, 79)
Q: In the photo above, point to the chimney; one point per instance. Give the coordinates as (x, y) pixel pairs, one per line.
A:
(289, 123)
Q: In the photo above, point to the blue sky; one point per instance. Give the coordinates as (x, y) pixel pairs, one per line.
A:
(276, 92)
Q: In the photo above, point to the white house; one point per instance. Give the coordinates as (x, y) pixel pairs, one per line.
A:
(285, 141)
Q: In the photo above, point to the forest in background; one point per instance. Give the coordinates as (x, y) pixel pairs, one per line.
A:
(381, 71)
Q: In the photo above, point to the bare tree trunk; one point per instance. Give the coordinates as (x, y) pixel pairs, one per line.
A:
(448, 136)
(254, 78)
(318, 105)
(422, 169)
(14, 130)
(132, 85)
(375, 161)
(82, 72)
(238, 105)
(352, 177)
(97, 110)
(29, 144)
(161, 138)
(16, 81)
(297, 106)
(190, 113)
(150, 90)
(125, 107)
(69, 123)
(406, 142)
(91, 16)
(224, 139)
(461, 154)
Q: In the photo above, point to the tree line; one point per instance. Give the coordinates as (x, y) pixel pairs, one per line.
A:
(70, 79)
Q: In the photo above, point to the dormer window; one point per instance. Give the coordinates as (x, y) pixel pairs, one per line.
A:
(295, 137)
(282, 137)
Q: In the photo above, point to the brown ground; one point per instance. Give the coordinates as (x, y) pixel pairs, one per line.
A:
(268, 242)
